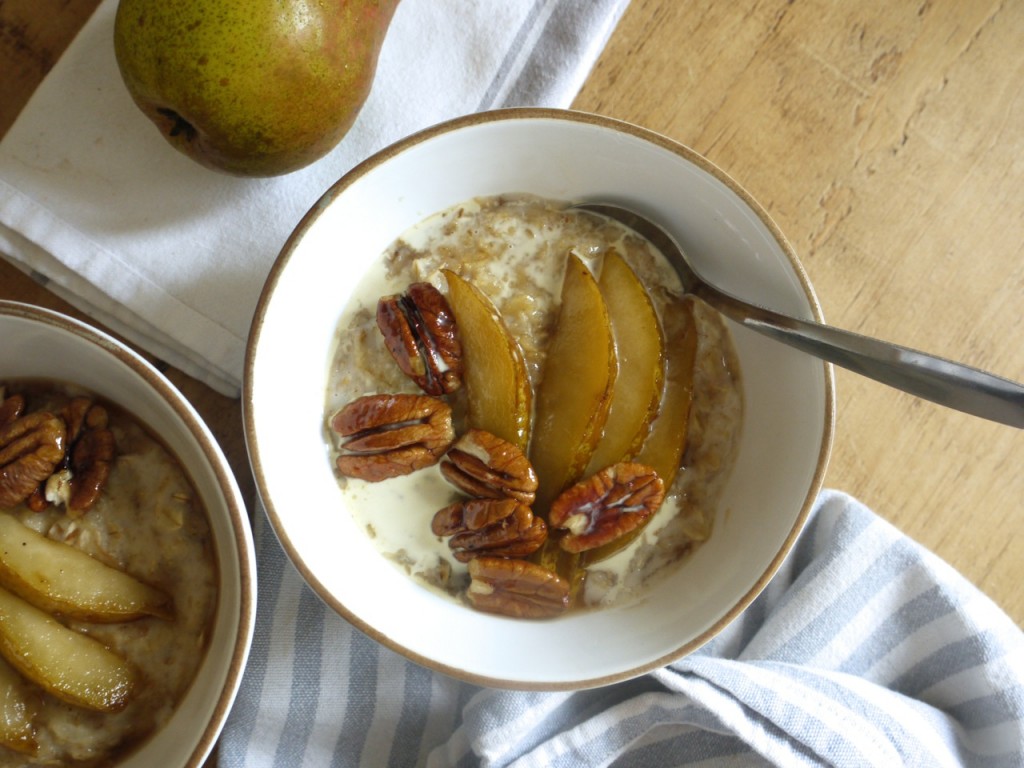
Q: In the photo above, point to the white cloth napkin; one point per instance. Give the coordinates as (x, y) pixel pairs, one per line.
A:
(94, 203)
(864, 650)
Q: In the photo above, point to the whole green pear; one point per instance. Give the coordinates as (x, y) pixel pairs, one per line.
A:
(251, 87)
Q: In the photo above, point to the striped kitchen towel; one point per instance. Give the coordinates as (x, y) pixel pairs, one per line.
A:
(864, 650)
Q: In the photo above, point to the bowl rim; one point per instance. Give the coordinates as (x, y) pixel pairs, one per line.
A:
(383, 156)
(242, 540)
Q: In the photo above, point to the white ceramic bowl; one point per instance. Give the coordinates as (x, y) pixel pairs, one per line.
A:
(785, 438)
(38, 343)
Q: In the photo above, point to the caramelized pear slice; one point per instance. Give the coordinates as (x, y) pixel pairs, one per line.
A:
(666, 441)
(70, 665)
(640, 351)
(60, 579)
(494, 370)
(17, 712)
(575, 391)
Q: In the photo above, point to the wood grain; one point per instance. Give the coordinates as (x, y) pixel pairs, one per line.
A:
(33, 34)
(886, 140)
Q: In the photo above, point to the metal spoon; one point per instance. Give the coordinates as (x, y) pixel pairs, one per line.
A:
(933, 378)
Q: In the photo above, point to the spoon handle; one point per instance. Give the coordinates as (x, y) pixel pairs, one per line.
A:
(933, 378)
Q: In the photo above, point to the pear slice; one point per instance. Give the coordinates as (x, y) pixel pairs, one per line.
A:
(494, 373)
(70, 665)
(17, 712)
(575, 391)
(663, 448)
(666, 441)
(640, 350)
(60, 579)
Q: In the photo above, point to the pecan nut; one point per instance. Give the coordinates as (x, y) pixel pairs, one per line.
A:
(609, 504)
(487, 467)
(90, 455)
(421, 335)
(31, 447)
(516, 588)
(496, 527)
(91, 460)
(390, 435)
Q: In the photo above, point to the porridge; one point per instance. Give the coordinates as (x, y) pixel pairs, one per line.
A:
(525, 412)
(91, 665)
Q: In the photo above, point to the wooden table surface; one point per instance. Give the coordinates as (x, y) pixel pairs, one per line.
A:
(887, 141)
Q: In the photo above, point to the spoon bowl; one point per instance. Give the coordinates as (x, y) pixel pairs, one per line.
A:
(927, 376)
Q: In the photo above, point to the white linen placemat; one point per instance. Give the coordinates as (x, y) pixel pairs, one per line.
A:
(173, 256)
(864, 650)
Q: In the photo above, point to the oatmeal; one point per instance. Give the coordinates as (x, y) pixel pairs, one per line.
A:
(517, 252)
(121, 498)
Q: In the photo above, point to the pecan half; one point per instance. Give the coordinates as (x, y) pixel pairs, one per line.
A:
(516, 588)
(391, 435)
(420, 333)
(498, 527)
(83, 471)
(606, 505)
(31, 447)
(91, 453)
(487, 467)
(92, 458)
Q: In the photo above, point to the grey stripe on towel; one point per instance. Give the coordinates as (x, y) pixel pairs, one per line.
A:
(865, 650)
